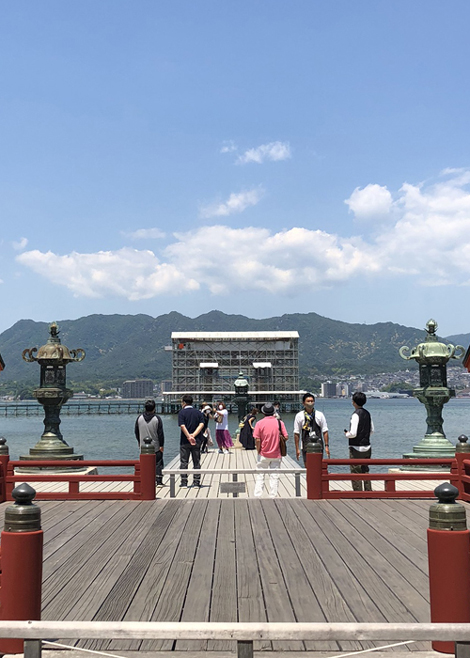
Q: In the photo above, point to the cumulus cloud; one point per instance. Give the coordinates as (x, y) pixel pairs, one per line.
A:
(274, 151)
(126, 273)
(145, 234)
(236, 203)
(427, 241)
(371, 202)
(20, 244)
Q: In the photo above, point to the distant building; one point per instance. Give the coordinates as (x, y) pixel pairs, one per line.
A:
(328, 390)
(206, 364)
(342, 390)
(137, 388)
(166, 385)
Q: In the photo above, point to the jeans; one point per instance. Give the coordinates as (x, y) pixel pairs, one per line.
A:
(195, 452)
(360, 468)
(265, 463)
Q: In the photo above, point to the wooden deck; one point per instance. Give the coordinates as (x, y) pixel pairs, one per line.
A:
(211, 483)
(236, 560)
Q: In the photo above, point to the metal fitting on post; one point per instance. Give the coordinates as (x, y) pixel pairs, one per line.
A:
(23, 515)
(3, 446)
(446, 514)
(314, 446)
(147, 447)
(462, 445)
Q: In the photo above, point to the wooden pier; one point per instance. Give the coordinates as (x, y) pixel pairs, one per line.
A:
(236, 560)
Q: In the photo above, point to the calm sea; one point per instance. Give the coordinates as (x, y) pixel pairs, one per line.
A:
(399, 425)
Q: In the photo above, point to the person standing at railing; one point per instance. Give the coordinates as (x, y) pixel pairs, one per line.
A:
(310, 426)
(191, 422)
(360, 429)
(149, 425)
(266, 435)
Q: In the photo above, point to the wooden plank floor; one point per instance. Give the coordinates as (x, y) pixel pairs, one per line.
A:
(211, 483)
(229, 560)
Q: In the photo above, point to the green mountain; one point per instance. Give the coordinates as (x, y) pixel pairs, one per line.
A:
(120, 347)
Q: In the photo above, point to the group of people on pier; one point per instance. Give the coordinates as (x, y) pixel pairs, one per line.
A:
(266, 436)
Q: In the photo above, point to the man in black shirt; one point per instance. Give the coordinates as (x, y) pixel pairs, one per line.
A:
(360, 429)
(191, 422)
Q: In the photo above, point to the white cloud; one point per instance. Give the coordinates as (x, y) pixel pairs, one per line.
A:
(20, 245)
(145, 234)
(274, 151)
(228, 147)
(124, 273)
(236, 203)
(427, 241)
(371, 202)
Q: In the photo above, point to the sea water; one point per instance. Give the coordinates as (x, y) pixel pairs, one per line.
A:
(399, 425)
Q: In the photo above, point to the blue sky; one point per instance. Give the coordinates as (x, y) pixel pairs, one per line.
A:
(254, 157)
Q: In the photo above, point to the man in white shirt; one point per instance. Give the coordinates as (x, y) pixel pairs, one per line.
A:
(310, 426)
(360, 429)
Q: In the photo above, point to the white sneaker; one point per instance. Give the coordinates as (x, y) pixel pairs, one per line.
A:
(258, 494)
(226, 452)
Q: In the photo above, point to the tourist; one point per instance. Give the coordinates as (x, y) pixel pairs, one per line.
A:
(191, 422)
(360, 429)
(206, 411)
(277, 410)
(310, 426)
(149, 425)
(246, 432)
(222, 435)
(266, 434)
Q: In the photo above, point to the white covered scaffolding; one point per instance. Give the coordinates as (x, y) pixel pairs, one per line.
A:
(209, 362)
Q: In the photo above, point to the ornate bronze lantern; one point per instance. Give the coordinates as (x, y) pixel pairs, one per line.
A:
(241, 396)
(432, 357)
(52, 393)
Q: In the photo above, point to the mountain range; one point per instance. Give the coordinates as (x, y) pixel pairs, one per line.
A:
(120, 347)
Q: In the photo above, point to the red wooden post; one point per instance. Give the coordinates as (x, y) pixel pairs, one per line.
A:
(4, 459)
(449, 562)
(314, 465)
(462, 452)
(21, 544)
(147, 470)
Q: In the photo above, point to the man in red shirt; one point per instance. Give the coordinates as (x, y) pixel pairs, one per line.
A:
(266, 435)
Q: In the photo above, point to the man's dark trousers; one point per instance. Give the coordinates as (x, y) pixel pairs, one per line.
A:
(360, 468)
(159, 467)
(195, 452)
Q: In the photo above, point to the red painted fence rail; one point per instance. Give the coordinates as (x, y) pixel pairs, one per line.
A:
(320, 481)
(143, 478)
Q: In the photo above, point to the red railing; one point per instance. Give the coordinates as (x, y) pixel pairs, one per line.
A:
(142, 477)
(320, 480)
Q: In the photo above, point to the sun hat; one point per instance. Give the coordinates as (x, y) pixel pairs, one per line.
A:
(267, 409)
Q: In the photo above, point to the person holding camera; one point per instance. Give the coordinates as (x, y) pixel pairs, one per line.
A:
(360, 429)
(309, 427)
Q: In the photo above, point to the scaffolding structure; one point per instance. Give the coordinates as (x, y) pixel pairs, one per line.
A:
(209, 362)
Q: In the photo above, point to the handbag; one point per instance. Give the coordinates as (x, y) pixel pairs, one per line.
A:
(282, 441)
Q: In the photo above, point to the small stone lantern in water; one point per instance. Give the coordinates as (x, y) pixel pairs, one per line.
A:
(432, 357)
(52, 393)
